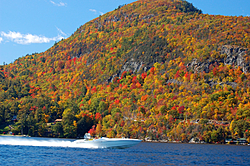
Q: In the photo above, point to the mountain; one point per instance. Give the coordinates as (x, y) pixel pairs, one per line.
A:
(154, 69)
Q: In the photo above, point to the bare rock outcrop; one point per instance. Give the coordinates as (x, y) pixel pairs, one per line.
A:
(235, 56)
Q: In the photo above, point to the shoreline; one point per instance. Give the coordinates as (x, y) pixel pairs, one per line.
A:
(179, 142)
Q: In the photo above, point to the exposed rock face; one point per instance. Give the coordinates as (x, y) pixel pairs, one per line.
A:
(148, 16)
(131, 65)
(214, 83)
(202, 66)
(174, 81)
(235, 56)
(143, 57)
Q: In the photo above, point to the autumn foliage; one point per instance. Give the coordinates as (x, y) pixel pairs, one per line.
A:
(127, 74)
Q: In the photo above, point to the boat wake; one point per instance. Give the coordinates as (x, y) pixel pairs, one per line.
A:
(56, 142)
(32, 141)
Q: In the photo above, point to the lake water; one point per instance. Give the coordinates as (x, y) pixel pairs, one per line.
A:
(43, 151)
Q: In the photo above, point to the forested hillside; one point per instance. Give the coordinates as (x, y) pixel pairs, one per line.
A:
(155, 69)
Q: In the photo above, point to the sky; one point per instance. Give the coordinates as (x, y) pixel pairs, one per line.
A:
(33, 26)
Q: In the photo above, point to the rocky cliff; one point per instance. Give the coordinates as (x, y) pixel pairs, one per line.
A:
(232, 55)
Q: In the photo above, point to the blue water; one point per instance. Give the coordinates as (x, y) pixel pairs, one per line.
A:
(141, 154)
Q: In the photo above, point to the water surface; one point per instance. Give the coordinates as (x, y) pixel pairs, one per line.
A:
(141, 154)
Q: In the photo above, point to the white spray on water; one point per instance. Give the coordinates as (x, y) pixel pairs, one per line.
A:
(31, 141)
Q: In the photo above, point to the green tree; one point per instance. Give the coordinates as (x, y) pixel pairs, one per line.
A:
(58, 129)
(84, 125)
(68, 124)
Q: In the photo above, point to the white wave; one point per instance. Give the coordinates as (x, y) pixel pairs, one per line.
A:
(31, 141)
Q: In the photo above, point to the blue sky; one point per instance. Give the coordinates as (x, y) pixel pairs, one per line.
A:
(31, 26)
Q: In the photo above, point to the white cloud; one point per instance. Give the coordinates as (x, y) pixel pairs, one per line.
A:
(19, 38)
(95, 11)
(61, 32)
(1, 39)
(58, 4)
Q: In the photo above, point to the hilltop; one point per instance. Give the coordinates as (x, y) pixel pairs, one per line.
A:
(157, 69)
